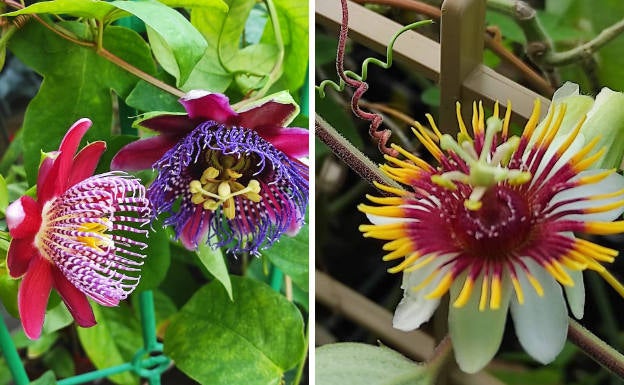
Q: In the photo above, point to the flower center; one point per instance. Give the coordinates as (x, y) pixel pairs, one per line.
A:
(220, 182)
(500, 227)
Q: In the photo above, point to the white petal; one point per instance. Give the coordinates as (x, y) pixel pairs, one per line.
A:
(476, 335)
(567, 89)
(541, 323)
(381, 220)
(612, 183)
(576, 294)
(414, 309)
(575, 147)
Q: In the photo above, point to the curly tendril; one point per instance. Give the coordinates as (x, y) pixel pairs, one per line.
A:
(358, 82)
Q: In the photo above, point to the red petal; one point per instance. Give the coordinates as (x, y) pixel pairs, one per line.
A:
(32, 297)
(170, 124)
(55, 181)
(292, 141)
(142, 154)
(195, 229)
(23, 217)
(46, 166)
(269, 114)
(76, 301)
(208, 106)
(20, 252)
(85, 162)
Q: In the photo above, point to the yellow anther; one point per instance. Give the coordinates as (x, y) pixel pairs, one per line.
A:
(472, 205)
(233, 174)
(254, 186)
(195, 187)
(441, 181)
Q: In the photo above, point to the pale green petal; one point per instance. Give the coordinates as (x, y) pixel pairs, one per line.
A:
(414, 309)
(541, 323)
(381, 220)
(576, 294)
(476, 335)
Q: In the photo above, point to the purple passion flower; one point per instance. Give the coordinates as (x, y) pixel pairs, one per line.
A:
(231, 178)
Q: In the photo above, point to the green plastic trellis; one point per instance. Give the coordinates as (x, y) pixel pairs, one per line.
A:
(149, 362)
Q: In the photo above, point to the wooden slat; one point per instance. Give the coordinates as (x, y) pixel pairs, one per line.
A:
(423, 55)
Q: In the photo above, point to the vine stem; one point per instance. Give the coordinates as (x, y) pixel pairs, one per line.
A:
(104, 53)
(596, 349)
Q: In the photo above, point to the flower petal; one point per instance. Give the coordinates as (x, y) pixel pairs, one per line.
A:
(33, 295)
(275, 110)
(20, 252)
(414, 309)
(208, 106)
(75, 300)
(195, 228)
(576, 294)
(86, 161)
(23, 217)
(541, 323)
(292, 141)
(55, 181)
(143, 153)
(169, 124)
(476, 335)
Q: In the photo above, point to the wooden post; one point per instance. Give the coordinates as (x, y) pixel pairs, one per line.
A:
(461, 52)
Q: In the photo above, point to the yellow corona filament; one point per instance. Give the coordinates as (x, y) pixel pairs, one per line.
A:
(605, 207)
(484, 292)
(615, 284)
(591, 179)
(411, 157)
(607, 195)
(546, 126)
(420, 264)
(518, 289)
(399, 252)
(573, 264)
(495, 296)
(536, 285)
(392, 190)
(386, 211)
(460, 120)
(475, 118)
(433, 125)
(570, 138)
(555, 128)
(495, 113)
(426, 281)
(427, 142)
(385, 232)
(405, 264)
(464, 294)
(506, 120)
(391, 201)
(442, 288)
(557, 271)
(589, 259)
(584, 164)
(533, 120)
(582, 153)
(396, 244)
(583, 245)
(481, 121)
(402, 163)
(604, 228)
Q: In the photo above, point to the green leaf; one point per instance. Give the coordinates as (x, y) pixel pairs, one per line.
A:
(357, 363)
(57, 318)
(4, 195)
(157, 259)
(214, 261)
(251, 341)
(42, 345)
(293, 20)
(113, 341)
(8, 291)
(176, 44)
(146, 97)
(5, 374)
(60, 361)
(47, 378)
(290, 254)
(77, 83)
(253, 64)
(78, 8)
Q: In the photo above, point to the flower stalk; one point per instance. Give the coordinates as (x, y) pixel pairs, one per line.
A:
(596, 349)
